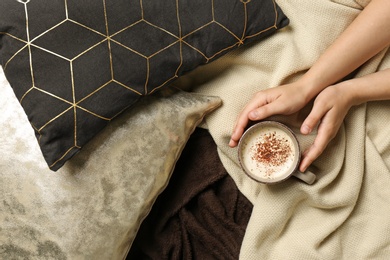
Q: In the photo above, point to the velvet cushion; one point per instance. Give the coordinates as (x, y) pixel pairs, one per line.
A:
(92, 207)
(75, 65)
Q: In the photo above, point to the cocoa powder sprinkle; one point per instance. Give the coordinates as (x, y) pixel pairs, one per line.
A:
(271, 150)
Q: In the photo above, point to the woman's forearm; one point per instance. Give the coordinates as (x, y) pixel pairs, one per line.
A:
(366, 36)
(375, 86)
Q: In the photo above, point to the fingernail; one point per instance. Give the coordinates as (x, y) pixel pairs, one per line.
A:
(253, 114)
(305, 129)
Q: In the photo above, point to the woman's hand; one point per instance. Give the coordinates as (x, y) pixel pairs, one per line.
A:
(370, 30)
(282, 100)
(328, 112)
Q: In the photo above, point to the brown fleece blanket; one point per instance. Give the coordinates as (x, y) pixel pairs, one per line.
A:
(200, 215)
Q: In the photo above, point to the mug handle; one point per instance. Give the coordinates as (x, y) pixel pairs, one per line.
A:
(306, 176)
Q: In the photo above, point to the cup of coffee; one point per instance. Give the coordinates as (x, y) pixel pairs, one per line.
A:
(269, 153)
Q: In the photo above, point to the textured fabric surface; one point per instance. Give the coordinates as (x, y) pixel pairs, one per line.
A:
(75, 65)
(92, 207)
(200, 215)
(345, 213)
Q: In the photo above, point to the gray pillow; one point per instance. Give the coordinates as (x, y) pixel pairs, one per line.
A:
(92, 207)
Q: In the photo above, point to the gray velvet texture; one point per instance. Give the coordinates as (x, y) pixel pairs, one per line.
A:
(92, 207)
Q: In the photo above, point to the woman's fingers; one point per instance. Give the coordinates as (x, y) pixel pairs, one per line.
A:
(313, 152)
(264, 111)
(241, 123)
(254, 112)
(312, 120)
(244, 117)
(327, 130)
(328, 113)
(282, 100)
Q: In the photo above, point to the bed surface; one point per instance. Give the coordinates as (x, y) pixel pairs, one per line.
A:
(343, 215)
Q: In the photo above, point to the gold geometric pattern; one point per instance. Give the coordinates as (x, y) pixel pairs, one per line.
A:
(75, 65)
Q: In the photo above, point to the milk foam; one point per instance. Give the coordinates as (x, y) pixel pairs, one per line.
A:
(264, 170)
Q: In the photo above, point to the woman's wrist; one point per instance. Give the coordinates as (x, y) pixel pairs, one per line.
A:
(310, 87)
(371, 87)
(349, 92)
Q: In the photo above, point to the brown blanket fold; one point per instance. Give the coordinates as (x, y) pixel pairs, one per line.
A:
(200, 215)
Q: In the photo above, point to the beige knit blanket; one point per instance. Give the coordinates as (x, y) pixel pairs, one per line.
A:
(345, 214)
